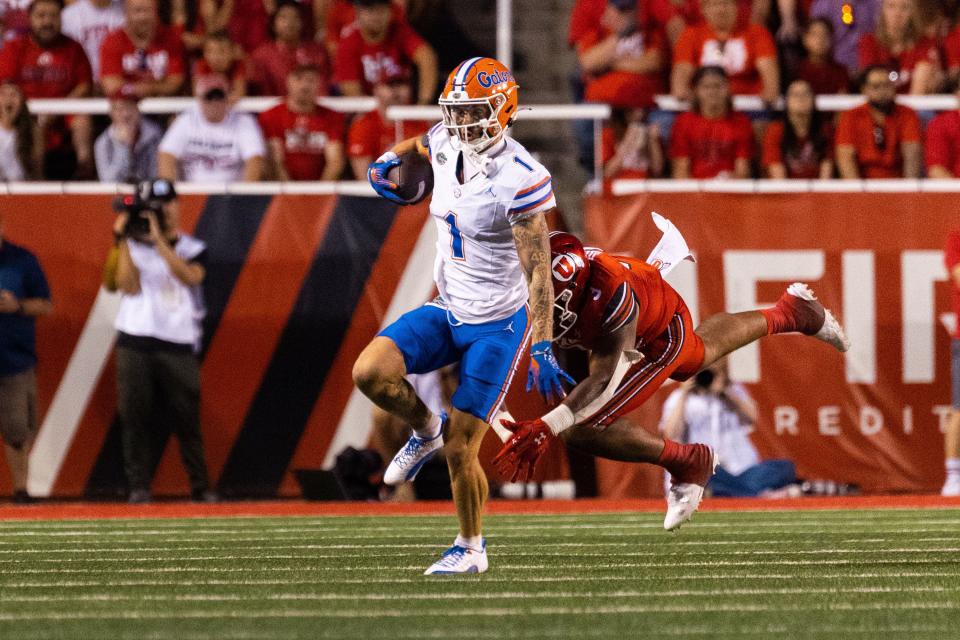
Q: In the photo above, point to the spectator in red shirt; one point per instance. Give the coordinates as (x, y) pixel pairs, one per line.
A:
(379, 41)
(800, 145)
(711, 140)
(304, 140)
(824, 74)
(621, 62)
(898, 43)
(47, 64)
(879, 139)
(271, 63)
(631, 148)
(942, 145)
(340, 14)
(671, 17)
(372, 133)
(144, 54)
(584, 18)
(245, 21)
(747, 53)
(219, 56)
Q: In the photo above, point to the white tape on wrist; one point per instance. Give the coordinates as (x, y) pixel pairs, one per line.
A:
(559, 419)
(387, 157)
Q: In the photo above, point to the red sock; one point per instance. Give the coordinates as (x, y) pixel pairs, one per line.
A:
(776, 320)
(686, 462)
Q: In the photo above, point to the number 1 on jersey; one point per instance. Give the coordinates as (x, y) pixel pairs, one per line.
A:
(456, 239)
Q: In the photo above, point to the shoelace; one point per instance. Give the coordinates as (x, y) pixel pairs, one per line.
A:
(410, 451)
(452, 556)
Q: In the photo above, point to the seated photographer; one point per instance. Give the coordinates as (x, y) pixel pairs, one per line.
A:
(158, 270)
(711, 409)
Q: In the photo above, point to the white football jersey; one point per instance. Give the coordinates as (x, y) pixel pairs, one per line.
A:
(89, 25)
(477, 269)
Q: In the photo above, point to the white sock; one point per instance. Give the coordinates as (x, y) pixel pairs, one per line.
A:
(431, 431)
(474, 542)
(953, 467)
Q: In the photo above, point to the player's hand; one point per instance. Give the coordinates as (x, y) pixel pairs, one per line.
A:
(545, 372)
(518, 457)
(377, 175)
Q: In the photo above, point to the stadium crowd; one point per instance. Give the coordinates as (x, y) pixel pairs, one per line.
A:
(628, 52)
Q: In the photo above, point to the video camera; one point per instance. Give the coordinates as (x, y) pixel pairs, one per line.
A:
(148, 196)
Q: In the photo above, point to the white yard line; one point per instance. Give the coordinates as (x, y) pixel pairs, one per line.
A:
(726, 577)
(443, 595)
(463, 612)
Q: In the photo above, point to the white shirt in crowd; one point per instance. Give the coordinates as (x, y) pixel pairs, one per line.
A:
(713, 422)
(89, 25)
(164, 308)
(10, 167)
(208, 152)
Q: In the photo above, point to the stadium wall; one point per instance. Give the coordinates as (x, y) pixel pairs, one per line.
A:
(297, 284)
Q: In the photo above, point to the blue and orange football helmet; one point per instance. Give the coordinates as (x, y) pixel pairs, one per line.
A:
(479, 102)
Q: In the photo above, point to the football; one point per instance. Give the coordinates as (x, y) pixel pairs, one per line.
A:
(413, 177)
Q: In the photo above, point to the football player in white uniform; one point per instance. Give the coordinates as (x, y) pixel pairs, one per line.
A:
(493, 273)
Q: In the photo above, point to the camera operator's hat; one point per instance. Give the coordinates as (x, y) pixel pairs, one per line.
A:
(158, 190)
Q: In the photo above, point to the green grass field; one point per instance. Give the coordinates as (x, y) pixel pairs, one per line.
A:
(788, 574)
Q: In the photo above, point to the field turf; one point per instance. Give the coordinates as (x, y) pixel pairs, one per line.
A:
(782, 574)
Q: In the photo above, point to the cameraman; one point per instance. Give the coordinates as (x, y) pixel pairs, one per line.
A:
(711, 409)
(158, 271)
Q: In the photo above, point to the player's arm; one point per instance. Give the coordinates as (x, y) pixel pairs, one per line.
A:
(377, 171)
(533, 247)
(604, 359)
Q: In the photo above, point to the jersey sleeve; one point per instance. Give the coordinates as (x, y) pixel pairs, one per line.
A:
(251, 138)
(845, 129)
(270, 124)
(360, 142)
(771, 153)
(679, 138)
(620, 310)
(686, 48)
(535, 194)
(937, 144)
(407, 38)
(348, 59)
(763, 44)
(911, 125)
(35, 282)
(174, 140)
(111, 63)
(8, 60)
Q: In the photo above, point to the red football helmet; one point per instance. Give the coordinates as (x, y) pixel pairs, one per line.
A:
(570, 270)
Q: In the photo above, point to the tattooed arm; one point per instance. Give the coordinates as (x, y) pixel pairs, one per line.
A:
(533, 247)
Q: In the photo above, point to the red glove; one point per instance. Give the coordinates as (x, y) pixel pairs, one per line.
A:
(520, 454)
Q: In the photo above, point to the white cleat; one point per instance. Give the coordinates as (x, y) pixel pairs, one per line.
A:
(457, 559)
(411, 458)
(683, 498)
(951, 488)
(830, 331)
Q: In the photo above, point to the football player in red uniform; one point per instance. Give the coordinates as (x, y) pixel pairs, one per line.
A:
(639, 333)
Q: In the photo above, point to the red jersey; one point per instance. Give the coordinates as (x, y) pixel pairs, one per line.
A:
(360, 61)
(712, 145)
(45, 72)
(624, 89)
(951, 49)
(871, 52)
(163, 57)
(584, 19)
(305, 137)
(942, 145)
(801, 162)
(342, 14)
(825, 78)
(370, 135)
(952, 259)
(876, 160)
(272, 62)
(618, 289)
(700, 46)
